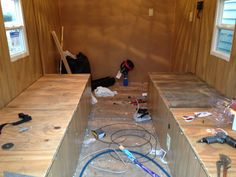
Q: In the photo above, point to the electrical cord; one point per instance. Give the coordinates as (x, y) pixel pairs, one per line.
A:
(130, 134)
(134, 152)
(139, 128)
(115, 132)
(148, 142)
(106, 170)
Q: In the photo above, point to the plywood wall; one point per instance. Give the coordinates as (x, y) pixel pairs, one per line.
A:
(192, 48)
(109, 32)
(48, 19)
(17, 76)
(217, 72)
(187, 31)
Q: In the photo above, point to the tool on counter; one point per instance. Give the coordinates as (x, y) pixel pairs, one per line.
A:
(196, 115)
(136, 162)
(220, 137)
(224, 162)
(7, 146)
(24, 118)
(98, 133)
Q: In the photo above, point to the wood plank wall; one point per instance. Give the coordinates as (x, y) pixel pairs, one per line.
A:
(217, 72)
(196, 58)
(17, 76)
(48, 19)
(109, 32)
(187, 30)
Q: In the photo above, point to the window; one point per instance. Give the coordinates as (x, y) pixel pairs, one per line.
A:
(224, 29)
(15, 29)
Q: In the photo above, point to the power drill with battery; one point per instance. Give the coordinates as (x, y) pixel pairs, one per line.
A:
(220, 137)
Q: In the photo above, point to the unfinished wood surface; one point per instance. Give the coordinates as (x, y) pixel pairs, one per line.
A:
(60, 50)
(47, 19)
(183, 90)
(197, 129)
(33, 150)
(193, 45)
(199, 160)
(66, 159)
(52, 144)
(215, 71)
(5, 73)
(187, 32)
(18, 75)
(160, 116)
(109, 32)
(52, 92)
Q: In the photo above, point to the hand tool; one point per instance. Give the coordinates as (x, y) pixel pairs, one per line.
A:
(224, 162)
(23, 118)
(220, 137)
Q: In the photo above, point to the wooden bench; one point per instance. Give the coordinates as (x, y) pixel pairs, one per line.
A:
(171, 96)
(59, 106)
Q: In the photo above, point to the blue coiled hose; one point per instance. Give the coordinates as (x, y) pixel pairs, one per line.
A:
(134, 152)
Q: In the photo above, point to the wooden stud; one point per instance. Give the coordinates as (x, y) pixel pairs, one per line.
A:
(63, 58)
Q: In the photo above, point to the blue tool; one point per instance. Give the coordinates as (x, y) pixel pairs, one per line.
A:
(136, 162)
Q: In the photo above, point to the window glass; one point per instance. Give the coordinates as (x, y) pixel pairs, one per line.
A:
(225, 39)
(11, 13)
(15, 39)
(224, 29)
(229, 12)
(15, 30)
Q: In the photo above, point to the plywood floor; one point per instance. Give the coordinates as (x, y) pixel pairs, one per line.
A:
(117, 112)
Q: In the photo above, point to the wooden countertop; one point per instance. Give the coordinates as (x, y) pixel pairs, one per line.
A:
(52, 92)
(185, 94)
(183, 90)
(197, 129)
(52, 102)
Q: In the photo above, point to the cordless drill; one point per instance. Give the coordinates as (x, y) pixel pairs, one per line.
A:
(220, 137)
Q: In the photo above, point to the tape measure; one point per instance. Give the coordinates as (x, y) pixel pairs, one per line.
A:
(98, 133)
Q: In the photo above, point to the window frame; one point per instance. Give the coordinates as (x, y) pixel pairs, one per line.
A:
(20, 25)
(218, 25)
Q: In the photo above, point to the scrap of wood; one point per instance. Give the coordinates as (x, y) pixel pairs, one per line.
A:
(62, 44)
(59, 48)
(62, 37)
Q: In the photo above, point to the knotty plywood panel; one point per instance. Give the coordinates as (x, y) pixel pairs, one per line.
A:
(52, 144)
(52, 92)
(112, 31)
(183, 90)
(38, 152)
(48, 19)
